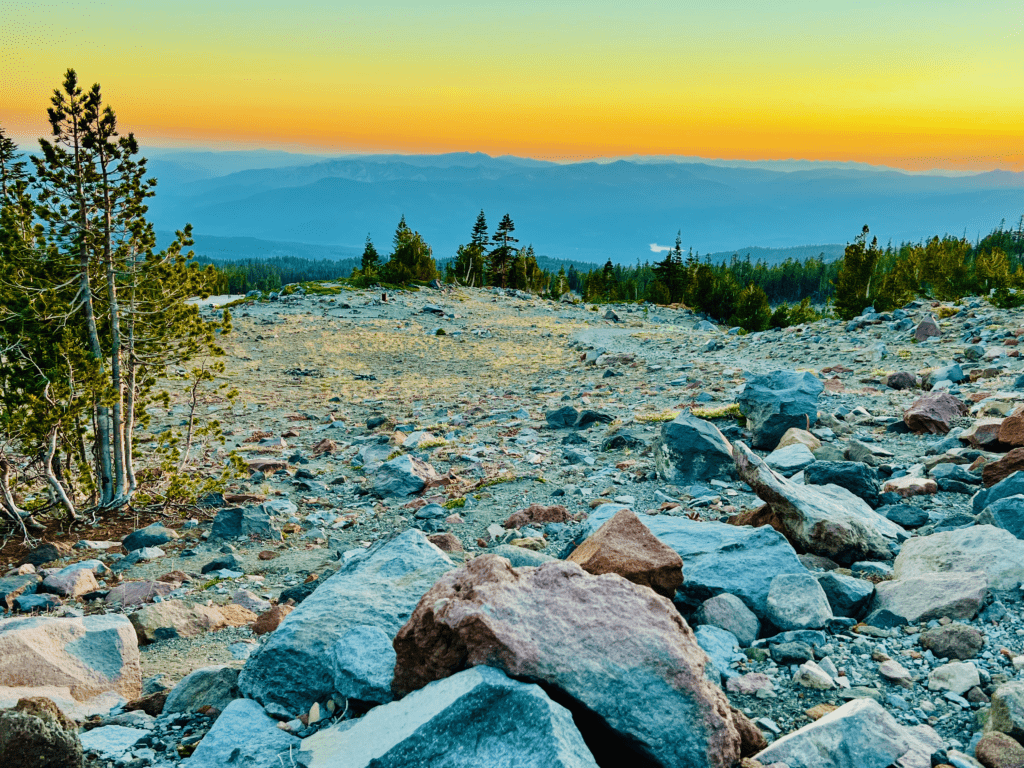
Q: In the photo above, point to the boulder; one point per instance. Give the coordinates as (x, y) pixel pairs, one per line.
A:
(997, 750)
(625, 546)
(905, 515)
(175, 618)
(952, 373)
(1007, 713)
(271, 619)
(796, 436)
(1011, 486)
(1006, 513)
(244, 735)
(953, 641)
(89, 655)
(304, 659)
(402, 476)
(933, 413)
(775, 402)
(132, 593)
(722, 648)
(153, 535)
(602, 642)
(790, 460)
(847, 596)
(983, 434)
(208, 686)
(797, 601)
(932, 596)
(563, 418)
(859, 734)
(927, 328)
(718, 558)
(13, 587)
(855, 476)
(907, 486)
(957, 676)
(70, 583)
(37, 735)
(980, 549)
(730, 613)
(238, 522)
(477, 717)
(997, 471)
(1011, 430)
(823, 520)
(538, 514)
(689, 450)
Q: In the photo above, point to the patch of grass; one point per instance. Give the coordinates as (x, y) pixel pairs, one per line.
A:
(428, 444)
(454, 504)
(497, 481)
(211, 583)
(237, 303)
(945, 312)
(730, 411)
(648, 418)
(394, 454)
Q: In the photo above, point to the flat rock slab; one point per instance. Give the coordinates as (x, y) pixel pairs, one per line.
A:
(602, 641)
(978, 549)
(478, 717)
(932, 596)
(338, 640)
(110, 742)
(89, 655)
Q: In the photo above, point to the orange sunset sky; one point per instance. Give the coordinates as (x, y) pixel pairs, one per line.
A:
(915, 85)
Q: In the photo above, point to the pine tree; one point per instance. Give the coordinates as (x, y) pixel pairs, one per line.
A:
(370, 258)
(853, 284)
(501, 257)
(412, 259)
(479, 235)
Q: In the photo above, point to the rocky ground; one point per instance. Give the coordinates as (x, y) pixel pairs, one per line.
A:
(831, 509)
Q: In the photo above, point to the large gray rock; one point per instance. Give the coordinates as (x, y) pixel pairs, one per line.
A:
(238, 522)
(777, 401)
(730, 613)
(478, 717)
(1010, 486)
(563, 418)
(13, 587)
(797, 601)
(790, 460)
(1007, 513)
(932, 596)
(980, 549)
(848, 596)
(208, 686)
(722, 647)
(718, 558)
(824, 520)
(855, 476)
(1007, 714)
(860, 734)
(690, 450)
(152, 535)
(402, 476)
(244, 735)
(327, 644)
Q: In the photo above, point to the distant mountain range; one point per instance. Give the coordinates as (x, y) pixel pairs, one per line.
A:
(257, 203)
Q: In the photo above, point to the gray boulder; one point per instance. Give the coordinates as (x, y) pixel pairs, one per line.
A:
(823, 520)
(980, 549)
(722, 647)
(790, 460)
(1010, 486)
(1007, 513)
(563, 418)
(1007, 714)
(238, 522)
(244, 735)
(848, 596)
(478, 717)
(209, 686)
(856, 477)
(717, 557)
(932, 596)
(860, 734)
(152, 535)
(797, 601)
(730, 613)
(326, 645)
(402, 476)
(777, 401)
(691, 450)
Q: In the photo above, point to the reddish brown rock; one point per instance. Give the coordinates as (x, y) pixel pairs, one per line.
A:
(538, 514)
(446, 542)
(934, 413)
(174, 577)
(984, 434)
(953, 641)
(625, 546)
(900, 380)
(267, 555)
(752, 740)
(995, 471)
(927, 328)
(911, 486)
(997, 750)
(236, 615)
(604, 642)
(270, 620)
(1011, 432)
(152, 705)
(137, 592)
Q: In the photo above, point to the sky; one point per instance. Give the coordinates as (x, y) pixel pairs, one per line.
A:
(912, 84)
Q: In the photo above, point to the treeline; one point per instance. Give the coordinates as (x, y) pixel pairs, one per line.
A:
(235, 277)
